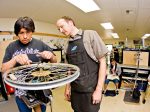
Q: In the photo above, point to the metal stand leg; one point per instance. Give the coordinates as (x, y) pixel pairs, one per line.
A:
(134, 95)
(50, 103)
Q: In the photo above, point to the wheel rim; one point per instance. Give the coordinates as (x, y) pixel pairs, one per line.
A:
(41, 76)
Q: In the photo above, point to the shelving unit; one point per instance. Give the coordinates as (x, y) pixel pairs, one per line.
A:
(136, 65)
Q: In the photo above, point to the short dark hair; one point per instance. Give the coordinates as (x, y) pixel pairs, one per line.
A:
(24, 22)
(67, 18)
(112, 59)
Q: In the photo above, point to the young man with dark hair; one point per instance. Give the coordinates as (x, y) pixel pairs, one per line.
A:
(24, 51)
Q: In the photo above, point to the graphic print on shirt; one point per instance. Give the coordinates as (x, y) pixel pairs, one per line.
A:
(26, 51)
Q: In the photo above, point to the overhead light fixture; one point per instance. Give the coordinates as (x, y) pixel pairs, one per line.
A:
(107, 26)
(85, 5)
(115, 35)
(146, 36)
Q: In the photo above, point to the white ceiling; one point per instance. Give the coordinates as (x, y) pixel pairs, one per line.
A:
(132, 26)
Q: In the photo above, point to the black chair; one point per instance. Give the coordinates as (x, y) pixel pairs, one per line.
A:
(2, 88)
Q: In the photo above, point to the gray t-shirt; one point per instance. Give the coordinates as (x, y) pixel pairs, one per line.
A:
(93, 43)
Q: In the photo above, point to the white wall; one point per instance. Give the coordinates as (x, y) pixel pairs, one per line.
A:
(7, 24)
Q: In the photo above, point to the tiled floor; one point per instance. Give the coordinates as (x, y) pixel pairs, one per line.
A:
(117, 104)
(109, 104)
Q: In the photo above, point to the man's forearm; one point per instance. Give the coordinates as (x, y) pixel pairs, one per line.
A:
(10, 64)
(101, 75)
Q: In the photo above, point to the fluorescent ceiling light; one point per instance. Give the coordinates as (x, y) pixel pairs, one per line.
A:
(115, 35)
(107, 26)
(145, 36)
(85, 5)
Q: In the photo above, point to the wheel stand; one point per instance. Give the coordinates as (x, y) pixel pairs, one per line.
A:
(129, 97)
(50, 103)
(31, 102)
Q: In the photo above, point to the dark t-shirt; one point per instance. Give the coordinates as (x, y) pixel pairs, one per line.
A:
(31, 49)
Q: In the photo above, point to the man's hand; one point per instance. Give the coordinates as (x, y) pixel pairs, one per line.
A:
(22, 59)
(67, 93)
(97, 96)
(46, 54)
